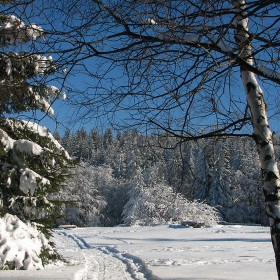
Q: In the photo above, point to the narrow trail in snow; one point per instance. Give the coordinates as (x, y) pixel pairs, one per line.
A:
(106, 262)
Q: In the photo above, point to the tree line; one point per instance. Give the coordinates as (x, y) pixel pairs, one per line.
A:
(222, 172)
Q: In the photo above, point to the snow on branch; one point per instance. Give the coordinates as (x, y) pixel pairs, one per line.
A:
(22, 145)
(26, 65)
(270, 73)
(42, 64)
(42, 131)
(21, 244)
(26, 146)
(43, 99)
(151, 21)
(193, 38)
(34, 31)
(23, 66)
(221, 45)
(14, 29)
(29, 181)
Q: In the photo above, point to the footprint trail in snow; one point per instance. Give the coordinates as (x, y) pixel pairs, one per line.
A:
(106, 262)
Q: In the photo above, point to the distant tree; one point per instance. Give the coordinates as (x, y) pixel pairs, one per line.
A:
(174, 167)
(107, 138)
(95, 145)
(187, 154)
(202, 172)
(97, 197)
(65, 140)
(220, 187)
(134, 163)
(80, 144)
(119, 165)
(247, 195)
(87, 203)
(57, 136)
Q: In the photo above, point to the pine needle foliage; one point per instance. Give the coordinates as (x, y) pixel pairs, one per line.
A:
(33, 165)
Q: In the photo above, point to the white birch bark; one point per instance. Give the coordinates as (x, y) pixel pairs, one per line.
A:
(262, 133)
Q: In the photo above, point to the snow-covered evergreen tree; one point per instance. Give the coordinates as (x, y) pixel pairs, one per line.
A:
(80, 144)
(119, 165)
(188, 168)
(202, 177)
(96, 146)
(107, 138)
(247, 197)
(220, 187)
(66, 141)
(32, 163)
(134, 163)
(57, 136)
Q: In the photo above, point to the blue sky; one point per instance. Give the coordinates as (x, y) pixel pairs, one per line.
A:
(63, 112)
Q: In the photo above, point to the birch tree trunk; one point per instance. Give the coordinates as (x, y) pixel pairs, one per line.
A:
(261, 131)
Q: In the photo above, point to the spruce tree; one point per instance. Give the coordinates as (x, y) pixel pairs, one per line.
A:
(202, 172)
(220, 187)
(33, 164)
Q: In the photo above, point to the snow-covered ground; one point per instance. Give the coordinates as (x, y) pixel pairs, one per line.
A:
(163, 252)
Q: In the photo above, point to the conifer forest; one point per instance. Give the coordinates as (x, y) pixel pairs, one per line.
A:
(115, 173)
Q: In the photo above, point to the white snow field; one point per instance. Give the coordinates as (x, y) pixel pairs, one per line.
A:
(162, 252)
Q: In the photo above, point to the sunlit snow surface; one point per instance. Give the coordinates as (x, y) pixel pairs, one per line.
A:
(162, 252)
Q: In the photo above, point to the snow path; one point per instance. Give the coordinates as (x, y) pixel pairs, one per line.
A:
(106, 262)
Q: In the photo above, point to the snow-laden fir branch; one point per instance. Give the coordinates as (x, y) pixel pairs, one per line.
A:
(14, 30)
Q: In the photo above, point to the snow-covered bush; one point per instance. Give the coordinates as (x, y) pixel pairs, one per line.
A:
(96, 195)
(158, 204)
(21, 244)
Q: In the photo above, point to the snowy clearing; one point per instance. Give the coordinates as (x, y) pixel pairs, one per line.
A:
(231, 252)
